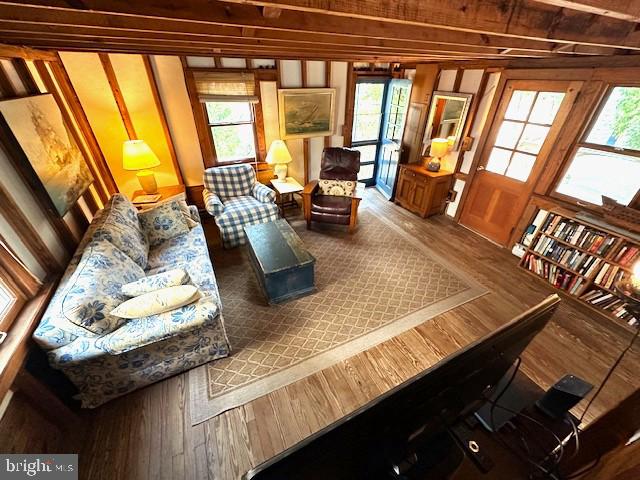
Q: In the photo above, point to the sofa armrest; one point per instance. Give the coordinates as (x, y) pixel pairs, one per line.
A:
(138, 333)
(212, 203)
(195, 215)
(263, 193)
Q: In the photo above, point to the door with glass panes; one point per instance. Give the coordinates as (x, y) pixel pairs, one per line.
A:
(524, 129)
(379, 114)
(395, 114)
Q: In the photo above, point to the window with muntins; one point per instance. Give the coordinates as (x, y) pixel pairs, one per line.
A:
(606, 161)
(522, 133)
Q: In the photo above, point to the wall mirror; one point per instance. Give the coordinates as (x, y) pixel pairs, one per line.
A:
(447, 117)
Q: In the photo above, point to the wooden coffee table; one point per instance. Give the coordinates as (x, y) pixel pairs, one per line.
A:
(283, 266)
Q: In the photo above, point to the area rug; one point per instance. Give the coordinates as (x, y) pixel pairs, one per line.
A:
(372, 285)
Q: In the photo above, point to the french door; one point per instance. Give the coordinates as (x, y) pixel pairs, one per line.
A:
(379, 115)
(525, 126)
(395, 114)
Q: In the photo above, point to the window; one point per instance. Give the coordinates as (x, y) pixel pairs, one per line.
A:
(367, 119)
(527, 121)
(228, 103)
(232, 130)
(607, 159)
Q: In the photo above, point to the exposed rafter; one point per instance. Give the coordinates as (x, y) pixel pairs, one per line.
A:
(368, 30)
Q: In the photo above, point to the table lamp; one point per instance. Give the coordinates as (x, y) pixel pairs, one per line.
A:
(439, 148)
(137, 155)
(279, 156)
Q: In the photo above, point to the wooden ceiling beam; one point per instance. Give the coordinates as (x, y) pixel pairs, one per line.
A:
(16, 51)
(204, 16)
(227, 51)
(251, 49)
(511, 18)
(628, 10)
(82, 23)
(29, 33)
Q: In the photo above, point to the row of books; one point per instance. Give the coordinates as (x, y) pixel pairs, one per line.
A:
(578, 234)
(608, 275)
(611, 303)
(555, 275)
(581, 262)
(627, 255)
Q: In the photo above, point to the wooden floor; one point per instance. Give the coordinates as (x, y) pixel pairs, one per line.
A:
(148, 435)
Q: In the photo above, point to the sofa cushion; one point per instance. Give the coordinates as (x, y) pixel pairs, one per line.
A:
(163, 222)
(170, 278)
(119, 224)
(94, 289)
(156, 302)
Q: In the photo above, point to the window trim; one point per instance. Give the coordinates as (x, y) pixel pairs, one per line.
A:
(580, 142)
(209, 125)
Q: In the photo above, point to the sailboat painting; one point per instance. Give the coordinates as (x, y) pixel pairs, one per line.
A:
(306, 112)
(37, 125)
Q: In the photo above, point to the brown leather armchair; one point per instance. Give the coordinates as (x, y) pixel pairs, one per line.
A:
(336, 164)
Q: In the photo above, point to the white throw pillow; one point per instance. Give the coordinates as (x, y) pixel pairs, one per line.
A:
(158, 301)
(170, 278)
(336, 188)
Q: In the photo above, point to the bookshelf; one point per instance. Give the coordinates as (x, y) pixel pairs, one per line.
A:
(584, 258)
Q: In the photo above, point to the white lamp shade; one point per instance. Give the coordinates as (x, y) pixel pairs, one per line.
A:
(439, 147)
(137, 155)
(278, 153)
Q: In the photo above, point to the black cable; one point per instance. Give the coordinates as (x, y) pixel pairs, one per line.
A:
(609, 373)
(576, 434)
(494, 405)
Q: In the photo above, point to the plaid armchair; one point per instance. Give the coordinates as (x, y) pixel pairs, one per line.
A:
(235, 199)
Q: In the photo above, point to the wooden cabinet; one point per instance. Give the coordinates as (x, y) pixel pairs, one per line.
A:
(421, 191)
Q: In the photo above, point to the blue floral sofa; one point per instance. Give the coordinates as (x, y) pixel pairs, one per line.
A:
(106, 359)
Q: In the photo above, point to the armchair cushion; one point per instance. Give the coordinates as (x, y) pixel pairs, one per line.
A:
(263, 193)
(336, 205)
(212, 203)
(339, 188)
(163, 222)
(242, 211)
(231, 181)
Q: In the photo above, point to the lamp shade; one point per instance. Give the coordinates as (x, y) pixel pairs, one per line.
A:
(439, 147)
(278, 153)
(137, 155)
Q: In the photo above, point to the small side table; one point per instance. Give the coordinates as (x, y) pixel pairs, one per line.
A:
(286, 188)
(164, 192)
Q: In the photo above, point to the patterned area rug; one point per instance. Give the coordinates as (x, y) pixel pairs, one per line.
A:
(372, 285)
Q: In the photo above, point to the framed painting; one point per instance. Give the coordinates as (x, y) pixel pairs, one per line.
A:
(306, 112)
(34, 129)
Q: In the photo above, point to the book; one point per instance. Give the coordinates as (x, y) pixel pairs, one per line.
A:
(142, 199)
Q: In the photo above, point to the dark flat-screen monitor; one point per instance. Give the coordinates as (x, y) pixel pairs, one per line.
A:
(370, 442)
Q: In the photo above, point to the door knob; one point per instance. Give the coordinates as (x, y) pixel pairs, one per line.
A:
(480, 168)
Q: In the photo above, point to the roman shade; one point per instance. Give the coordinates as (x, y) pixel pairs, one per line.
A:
(225, 86)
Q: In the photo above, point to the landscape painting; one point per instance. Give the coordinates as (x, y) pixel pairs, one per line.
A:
(306, 112)
(38, 127)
